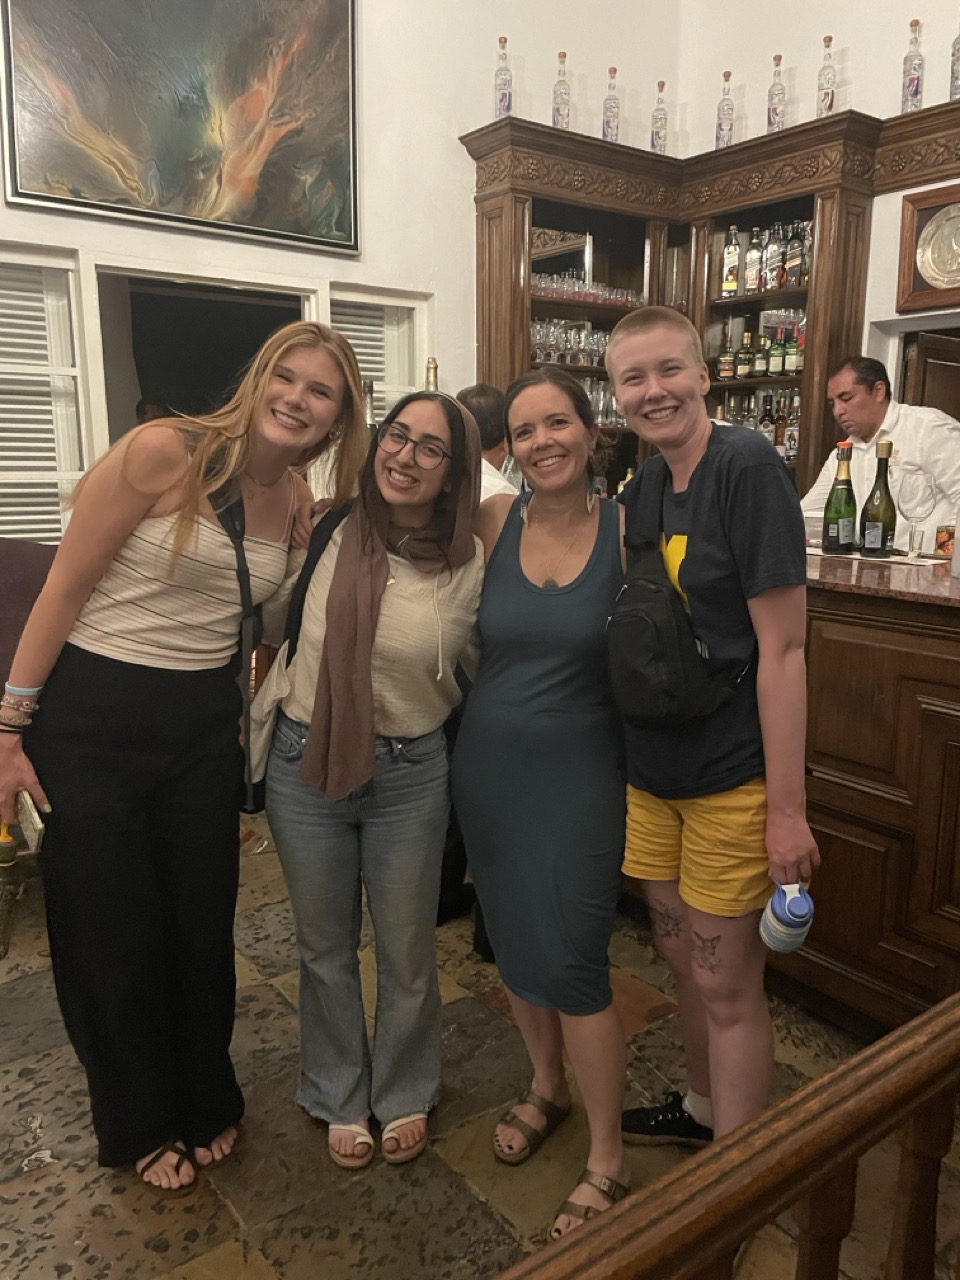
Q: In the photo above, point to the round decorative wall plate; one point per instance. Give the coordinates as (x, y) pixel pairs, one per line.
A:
(938, 249)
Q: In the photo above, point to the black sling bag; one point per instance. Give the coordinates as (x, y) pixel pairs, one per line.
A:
(657, 672)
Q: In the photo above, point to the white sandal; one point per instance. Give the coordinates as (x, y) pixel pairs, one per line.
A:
(358, 1159)
(403, 1154)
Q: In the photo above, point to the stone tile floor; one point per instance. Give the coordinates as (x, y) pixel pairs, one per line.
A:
(280, 1208)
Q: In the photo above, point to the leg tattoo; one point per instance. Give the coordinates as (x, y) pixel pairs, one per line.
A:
(705, 952)
(666, 922)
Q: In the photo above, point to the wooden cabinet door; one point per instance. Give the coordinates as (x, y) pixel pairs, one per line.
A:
(931, 373)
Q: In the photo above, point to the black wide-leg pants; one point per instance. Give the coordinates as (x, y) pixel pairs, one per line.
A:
(140, 865)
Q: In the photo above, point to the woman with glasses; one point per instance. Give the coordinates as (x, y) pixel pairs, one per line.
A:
(357, 792)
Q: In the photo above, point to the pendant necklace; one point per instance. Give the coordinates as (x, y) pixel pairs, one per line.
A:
(551, 579)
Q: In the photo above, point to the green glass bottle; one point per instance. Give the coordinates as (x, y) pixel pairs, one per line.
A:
(878, 519)
(840, 513)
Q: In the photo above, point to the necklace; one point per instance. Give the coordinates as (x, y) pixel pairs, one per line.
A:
(264, 484)
(551, 579)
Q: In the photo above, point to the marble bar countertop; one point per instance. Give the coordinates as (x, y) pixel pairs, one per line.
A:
(925, 581)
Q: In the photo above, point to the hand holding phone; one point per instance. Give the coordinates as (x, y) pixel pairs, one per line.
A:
(29, 821)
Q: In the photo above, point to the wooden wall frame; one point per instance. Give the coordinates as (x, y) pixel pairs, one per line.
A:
(922, 212)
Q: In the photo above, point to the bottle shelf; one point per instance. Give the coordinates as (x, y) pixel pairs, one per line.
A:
(768, 301)
(578, 370)
(603, 313)
(754, 384)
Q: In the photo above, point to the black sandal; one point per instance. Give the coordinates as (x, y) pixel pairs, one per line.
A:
(175, 1148)
(609, 1188)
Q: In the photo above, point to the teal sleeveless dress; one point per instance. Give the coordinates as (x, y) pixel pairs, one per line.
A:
(538, 774)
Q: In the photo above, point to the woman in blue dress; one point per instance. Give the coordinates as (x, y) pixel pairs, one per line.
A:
(538, 778)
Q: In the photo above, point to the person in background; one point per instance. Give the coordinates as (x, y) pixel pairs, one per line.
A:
(716, 806)
(486, 404)
(859, 395)
(538, 779)
(357, 791)
(151, 410)
(124, 698)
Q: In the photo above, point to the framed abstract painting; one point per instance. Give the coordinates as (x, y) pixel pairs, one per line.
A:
(231, 116)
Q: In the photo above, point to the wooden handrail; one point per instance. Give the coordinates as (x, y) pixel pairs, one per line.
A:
(688, 1223)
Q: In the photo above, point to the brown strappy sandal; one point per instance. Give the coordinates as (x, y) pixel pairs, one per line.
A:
(609, 1188)
(535, 1137)
(183, 1159)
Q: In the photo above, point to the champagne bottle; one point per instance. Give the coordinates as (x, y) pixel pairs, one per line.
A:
(369, 412)
(878, 519)
(430, 383)
(840, 513)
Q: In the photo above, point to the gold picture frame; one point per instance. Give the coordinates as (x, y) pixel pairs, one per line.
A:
(929, 268)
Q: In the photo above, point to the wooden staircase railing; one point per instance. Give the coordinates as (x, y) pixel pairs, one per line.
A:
(688, 1224)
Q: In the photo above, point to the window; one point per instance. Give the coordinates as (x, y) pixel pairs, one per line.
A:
(383, 336)
(41, 452)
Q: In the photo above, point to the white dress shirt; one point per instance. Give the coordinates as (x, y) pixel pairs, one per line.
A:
(924, 438)
(491, 481)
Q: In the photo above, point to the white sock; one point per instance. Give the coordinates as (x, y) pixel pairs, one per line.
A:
(696, 1105)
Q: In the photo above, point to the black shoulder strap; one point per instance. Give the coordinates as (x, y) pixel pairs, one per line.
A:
(232, 517)
(646, 508)
(319, 541)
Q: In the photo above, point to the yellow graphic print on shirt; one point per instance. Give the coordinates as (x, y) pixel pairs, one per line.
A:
(673, 553)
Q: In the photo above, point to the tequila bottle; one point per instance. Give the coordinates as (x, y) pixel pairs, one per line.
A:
(776, 98)
(724, 136)
(611, 109)
(955, 70)
(911, 98)
(561, 95)
(827, 81)
(658, 122)
(503, 85)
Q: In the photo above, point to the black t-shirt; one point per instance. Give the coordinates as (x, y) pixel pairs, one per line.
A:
(734, 532)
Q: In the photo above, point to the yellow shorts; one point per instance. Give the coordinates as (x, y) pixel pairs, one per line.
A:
(714, 845)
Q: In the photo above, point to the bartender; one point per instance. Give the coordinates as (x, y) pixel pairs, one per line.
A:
(859, 395)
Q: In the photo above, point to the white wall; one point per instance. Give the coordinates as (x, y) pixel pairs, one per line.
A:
(425, 77)
(869, 43)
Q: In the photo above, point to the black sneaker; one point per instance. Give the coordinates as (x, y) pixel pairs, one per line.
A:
(669, 1122)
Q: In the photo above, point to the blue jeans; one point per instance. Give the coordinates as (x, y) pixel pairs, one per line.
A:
(386, 836)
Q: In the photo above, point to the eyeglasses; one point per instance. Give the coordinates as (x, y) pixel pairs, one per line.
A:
(426, 453)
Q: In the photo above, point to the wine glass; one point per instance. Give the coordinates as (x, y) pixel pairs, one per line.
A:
(916, 498)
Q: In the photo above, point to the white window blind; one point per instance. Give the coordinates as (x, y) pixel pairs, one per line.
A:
(41, 453)
(383, 338)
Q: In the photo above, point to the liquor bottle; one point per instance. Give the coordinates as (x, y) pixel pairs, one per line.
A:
(724, 136)
(776, 98)
(772, 259)
(955, 69)
(793, 428)
(791, 352)
(502, 85)
(430, 383)
(806, 232)
(827, 81)
(794, 258)
(878, 519)
(751, 263)
(766, 424)
(658, 123)
(761, 358)
(750, 414)
(780, 424)
(731, 265)
(611, 109)
(561, 95)
(743, 364)
(840, 513)
(776, 356)
(369, 412)
(726, 360)
(911, 97)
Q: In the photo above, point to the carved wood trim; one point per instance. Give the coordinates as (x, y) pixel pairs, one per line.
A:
(918, 148)
(579, 181)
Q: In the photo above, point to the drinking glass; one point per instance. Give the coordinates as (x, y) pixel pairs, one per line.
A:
(916, 499)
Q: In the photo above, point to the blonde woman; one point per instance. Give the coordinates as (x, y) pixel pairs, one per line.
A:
(123, 696)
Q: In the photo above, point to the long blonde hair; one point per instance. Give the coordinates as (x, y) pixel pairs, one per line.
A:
(219, 442)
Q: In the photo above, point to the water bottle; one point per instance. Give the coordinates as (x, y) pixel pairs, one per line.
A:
(787, 918)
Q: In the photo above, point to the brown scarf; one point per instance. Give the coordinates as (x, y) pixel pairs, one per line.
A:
(339, 755)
